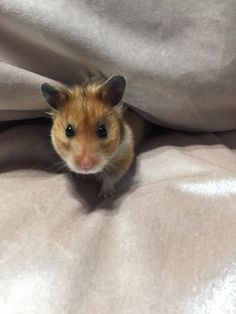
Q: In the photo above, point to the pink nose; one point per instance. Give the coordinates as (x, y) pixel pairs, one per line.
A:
(86, 163)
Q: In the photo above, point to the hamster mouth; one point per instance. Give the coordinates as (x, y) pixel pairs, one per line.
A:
(94, 170)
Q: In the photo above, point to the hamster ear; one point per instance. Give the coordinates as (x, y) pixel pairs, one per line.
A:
(55, 97)
(112, 90)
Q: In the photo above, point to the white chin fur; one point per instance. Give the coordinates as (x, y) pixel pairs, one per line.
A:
(81, 171)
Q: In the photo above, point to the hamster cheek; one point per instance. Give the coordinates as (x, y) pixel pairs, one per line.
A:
(62, 147)
(110, 146)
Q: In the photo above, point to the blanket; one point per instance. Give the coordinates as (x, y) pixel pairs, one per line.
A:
(166, 243)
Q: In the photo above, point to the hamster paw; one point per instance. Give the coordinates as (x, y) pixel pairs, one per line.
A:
(106, 191)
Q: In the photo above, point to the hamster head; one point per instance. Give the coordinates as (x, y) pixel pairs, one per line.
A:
(87, 123)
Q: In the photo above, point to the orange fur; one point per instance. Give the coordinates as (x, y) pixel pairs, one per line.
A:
(85, 112)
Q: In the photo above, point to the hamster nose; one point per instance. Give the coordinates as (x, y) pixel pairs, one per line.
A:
(86, 163)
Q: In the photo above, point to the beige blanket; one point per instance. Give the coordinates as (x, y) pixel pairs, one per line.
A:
(167, 242)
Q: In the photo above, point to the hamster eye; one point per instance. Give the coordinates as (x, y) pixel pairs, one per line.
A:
(69, 131)
(102, 131)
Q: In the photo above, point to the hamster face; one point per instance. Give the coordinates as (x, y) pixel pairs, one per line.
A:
(86, 133)
(87, 123)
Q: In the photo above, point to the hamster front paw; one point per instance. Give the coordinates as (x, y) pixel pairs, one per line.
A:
(107, 190)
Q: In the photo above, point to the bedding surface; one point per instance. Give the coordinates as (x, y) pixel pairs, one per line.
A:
(166, 243)
(178, 56)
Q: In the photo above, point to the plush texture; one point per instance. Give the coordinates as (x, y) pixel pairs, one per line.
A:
(167, 242)
(178, 56)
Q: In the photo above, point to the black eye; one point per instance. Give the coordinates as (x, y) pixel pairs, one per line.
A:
(102, 131)
(69, 131)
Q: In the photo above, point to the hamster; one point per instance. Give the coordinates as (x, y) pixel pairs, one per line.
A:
(93, 131)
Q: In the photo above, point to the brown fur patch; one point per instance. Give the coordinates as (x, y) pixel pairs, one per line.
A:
(85, 113)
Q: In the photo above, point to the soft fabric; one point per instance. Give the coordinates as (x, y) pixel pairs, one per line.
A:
(178, 56)
(166, 244)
